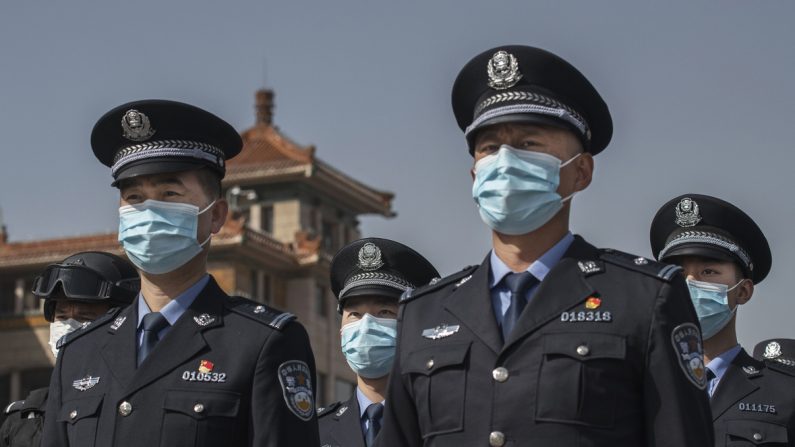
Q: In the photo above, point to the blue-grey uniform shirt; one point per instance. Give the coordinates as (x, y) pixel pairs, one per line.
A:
(719, 365)
(171, 311)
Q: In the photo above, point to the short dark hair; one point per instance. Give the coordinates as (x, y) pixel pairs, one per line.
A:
(210, 181)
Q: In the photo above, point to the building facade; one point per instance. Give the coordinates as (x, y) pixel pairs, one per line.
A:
(289, 213)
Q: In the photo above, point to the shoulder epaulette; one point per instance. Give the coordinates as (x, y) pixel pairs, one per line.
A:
(14, 406)
(783, 366)
(274, 318)
(437, 284)
(639, 264)
(322, 411)
(87, 327)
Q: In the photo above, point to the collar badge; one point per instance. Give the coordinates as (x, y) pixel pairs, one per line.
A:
(772, 350)
(589, 267)
(136, 126)
(503, 70)
(750, 370)
(341, 411)
(370, 257)
(117, 323)
(203, 319)
(687, 214)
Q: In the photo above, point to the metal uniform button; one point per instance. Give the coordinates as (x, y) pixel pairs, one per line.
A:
(73, 414)
(198, 408)
(497, 439)
(500, 374)
(125, 408)
(429, 364)
(583, 350)
(757, 436)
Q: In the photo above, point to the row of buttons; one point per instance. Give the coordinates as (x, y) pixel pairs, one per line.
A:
(125, 408)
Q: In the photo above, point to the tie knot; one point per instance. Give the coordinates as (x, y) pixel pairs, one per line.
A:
(519, 283)
(374, 411)
(710, 374)
(154, 321)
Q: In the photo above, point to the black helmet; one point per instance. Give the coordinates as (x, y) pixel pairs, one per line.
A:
(89, 277)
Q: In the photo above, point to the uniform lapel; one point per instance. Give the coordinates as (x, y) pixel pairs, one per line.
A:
(184, 340)
(562, 288)
(347, 432)
(471, 304)
(735, 384)
(120, 348)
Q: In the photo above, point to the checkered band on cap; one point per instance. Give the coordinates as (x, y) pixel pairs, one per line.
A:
(375, 279)
(705, 237)
(173, 149)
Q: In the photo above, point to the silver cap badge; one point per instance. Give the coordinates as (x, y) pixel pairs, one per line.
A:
(370, 257)
(772, 350)
(136, 126)
(503, 70)
(687, 213)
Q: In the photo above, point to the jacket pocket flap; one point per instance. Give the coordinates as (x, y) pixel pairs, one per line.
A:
(202, 404)
(77, 409)
(586, 346)
(757, 432)
(430, 359)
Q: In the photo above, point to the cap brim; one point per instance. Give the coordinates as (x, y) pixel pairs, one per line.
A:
(373, 290)
(158, 166)
(702, 250)
(527, 118)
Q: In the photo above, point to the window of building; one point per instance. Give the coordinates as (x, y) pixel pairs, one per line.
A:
(259, 286)
(266, 218)
(320, 390)
(321, 304)
(343, 389)
(7, 297)
(329, 232)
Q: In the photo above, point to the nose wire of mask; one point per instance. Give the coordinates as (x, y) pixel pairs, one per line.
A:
(516, 190)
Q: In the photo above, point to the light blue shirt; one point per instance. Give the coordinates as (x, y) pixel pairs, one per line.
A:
(364, 402)
(719, 365)
(501, 295)
(171, 311)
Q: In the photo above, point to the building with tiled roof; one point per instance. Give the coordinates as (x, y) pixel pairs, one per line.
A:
(289, 213)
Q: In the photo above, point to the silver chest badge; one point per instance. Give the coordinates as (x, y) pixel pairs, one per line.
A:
(440, 331)
(503, 70)
(85, 383)
(203, 319)
(687, 213)
(136, 126)
(370, 257)
(772, 350)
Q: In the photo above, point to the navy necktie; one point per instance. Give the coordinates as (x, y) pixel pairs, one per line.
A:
(518, 284)
(711, 377)
(153, 323)
(373, 414)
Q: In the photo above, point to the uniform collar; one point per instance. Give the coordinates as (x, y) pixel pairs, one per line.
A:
(176, 307)
(721, 363)
(539, 268)
(364, 402)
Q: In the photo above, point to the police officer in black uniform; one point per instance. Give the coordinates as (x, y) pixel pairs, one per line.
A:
(550, 341)
(777, 350)
(724, 254)
(185, 364)
(367, 277)
(77, 290)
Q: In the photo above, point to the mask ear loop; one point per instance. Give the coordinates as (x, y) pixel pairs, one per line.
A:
(211, 234)
(562, 165)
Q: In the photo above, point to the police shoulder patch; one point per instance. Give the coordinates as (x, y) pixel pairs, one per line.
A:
(639, 264)
(437, 284)
(260, 312)
(323, 411)
(296, 381)
(86, 328)
(686, 340)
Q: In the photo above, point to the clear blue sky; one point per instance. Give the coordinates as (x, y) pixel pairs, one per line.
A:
(700, 93)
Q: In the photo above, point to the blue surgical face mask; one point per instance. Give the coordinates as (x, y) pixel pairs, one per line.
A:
(711, 301)
(369, 345)
(516, 190)
(159, 237)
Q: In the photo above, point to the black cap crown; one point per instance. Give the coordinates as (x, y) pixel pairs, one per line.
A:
(375, 266)
(157, 136)
(699, 225)
(516, 83)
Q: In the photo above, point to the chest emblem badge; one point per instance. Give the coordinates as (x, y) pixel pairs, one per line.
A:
(441, 331)
(85, 383)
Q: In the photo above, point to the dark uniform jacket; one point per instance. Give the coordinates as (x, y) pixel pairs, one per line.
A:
(606, 353)
(754, 404)
(230, 372)
(341, 424)
(24, 420)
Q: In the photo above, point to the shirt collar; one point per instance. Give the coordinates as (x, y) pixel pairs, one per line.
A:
(539, 268)
(721, 363)
(176, 307)
(364, 402)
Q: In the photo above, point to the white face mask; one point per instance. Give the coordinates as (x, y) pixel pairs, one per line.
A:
(60, 328)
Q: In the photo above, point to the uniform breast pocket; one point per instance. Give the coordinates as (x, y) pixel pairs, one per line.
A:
(81, 416)
(744, 432)
(576, 379)
(201, 418)
(438, 380)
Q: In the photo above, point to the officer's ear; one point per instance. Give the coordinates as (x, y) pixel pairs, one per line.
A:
(745, 290)
(584, 171)
(219, 211)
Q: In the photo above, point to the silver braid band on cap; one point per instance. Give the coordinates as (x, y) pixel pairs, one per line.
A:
(168, 148)
(375, 279)
(703, 237)
(535, 109)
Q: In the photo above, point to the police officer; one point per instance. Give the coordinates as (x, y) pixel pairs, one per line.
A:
(724, 255)
(185, 364)
(550, 341)
(367, 277)
(778, 350)
(75, 291)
